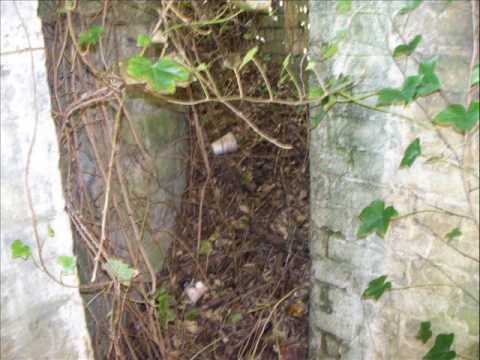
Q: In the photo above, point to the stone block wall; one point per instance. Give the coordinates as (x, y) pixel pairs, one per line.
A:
(355, 157)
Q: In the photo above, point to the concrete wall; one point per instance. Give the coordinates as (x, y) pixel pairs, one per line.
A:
(355, 157)
(149, 173)
(39, 318)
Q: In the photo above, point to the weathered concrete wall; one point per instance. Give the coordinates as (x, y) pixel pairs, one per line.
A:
(355, 157)
(40, 319)
(149, 172)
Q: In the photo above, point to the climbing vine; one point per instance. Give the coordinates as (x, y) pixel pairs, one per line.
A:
(375, 218)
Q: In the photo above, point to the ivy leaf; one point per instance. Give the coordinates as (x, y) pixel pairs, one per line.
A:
(143, 40)
(202, 67)
(459, 117)
(407, 49)
(164, 302)
(315, 92)
(284, 75)
(441, 348)
(475, 75)
(404, 95)
(456, 232)
(68, 264)
(411, 153)
(316, 120)
(329, 102)
(430, 81)
(235, 317)
(425, 331)
(166, 73)
(411, 5)
(192, 314)
(205, 247)
(248, 57)
(91, 36)
(389, 96)
(344, 6)
(425, 83)
(376, 288)
(286, 61)
(311, 66)
(329, 50)
(410, 88)
(139, 67)
(20, 250)
(375, 218)
(120, 270)
(50, 231)
(163, 76)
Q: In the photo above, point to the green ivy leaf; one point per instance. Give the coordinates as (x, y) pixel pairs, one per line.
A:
(407, 49)
(376, 288)
(430, 81)
(202, 67)
(329, 102)
(441, 348)
(166, 73)
(375, 218)
(235, 317)
(329, 50)
(120, 270)
(455, 232)
(411, 5)
(459, 117)
(284, 75)
(20, 250)
(143, 40)
(192, 314)
(139, 67)
(344, 6)
(267, 57)
(425, 83)
(68, 264)
(162, 76)
(50, 231)
(286, 61)
(165, 312)
(411, 153)
(311, 66)
(206, 247)
(91, 36)
(404, 95)
(425, 331)
(389, 96)
(410, 86)
(316, 120)
(248, 57)
(475, 75)
(315, 92)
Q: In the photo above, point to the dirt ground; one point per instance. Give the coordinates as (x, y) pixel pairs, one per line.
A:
(254, 246)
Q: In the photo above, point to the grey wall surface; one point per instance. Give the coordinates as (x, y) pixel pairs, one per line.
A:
(355, 157)
(40, 319)
(148, 177)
